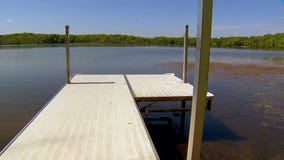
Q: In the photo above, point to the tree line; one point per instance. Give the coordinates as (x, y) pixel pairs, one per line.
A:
(269, 41)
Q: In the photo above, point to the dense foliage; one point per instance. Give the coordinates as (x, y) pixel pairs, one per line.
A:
(270, 41)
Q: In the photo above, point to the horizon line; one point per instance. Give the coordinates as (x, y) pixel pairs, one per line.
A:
(140, 35)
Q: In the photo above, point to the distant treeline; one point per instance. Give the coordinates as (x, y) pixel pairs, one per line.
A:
(269, 41)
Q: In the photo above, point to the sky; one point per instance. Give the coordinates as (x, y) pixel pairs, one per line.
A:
(147, 18)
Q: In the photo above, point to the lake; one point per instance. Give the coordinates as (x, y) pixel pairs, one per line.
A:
(247, 117)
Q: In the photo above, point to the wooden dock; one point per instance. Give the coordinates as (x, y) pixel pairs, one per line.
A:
(96, 117)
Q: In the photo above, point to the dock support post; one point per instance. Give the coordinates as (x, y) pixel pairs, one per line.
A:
(184, 77)
(182, 119)
(200, 79)
(185, 55)
(68, 77)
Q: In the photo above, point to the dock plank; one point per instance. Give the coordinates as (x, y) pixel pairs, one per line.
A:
(94, 118)
(160, 87)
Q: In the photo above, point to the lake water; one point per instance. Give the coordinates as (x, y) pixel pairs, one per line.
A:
(247, 119)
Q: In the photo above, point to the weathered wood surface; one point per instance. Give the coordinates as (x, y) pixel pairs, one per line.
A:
(97, 120)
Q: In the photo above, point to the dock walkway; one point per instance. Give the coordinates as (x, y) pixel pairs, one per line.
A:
(96, 117)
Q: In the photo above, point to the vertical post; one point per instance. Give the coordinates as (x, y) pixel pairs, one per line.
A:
(185, 55)
(68, 81)
(184, 76)
(200, 79)
(182, 119)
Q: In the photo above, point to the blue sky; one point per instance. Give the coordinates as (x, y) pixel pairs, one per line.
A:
(140, 17)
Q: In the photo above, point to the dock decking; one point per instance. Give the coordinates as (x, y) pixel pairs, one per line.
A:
(161, 87)
(96, 117)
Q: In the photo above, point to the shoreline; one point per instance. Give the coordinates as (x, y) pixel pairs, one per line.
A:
(19, 46)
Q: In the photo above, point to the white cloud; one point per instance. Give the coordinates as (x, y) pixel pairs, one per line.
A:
(9, 20)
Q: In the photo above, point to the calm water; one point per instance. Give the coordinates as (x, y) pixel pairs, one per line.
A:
(247, 120)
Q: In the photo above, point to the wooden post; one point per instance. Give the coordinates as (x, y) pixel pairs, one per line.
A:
(68, 80)
(184, 77)
(200, 79)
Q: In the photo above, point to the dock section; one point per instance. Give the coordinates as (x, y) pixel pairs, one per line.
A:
(160, 87)
(94, 117)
